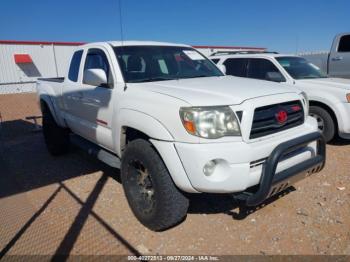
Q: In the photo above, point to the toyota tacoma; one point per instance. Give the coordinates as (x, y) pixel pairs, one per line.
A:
(175, 124)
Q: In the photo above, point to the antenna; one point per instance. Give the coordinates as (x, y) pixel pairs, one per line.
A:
(121, 22)
(121, 34)
(296, 44)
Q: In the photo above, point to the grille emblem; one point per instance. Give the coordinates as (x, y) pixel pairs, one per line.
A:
(281, 117)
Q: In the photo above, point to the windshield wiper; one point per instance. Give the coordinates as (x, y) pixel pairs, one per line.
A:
(151, 79)
(195, 76)
(311, 77)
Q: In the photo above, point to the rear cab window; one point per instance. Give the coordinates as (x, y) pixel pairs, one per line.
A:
(344, 44)
(260, 68)
(236, 66)
(74, 66)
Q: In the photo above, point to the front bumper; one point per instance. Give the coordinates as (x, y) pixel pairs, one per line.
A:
(272, 183)
(239, 164)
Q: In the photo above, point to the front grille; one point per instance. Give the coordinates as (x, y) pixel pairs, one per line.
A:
(266, 121)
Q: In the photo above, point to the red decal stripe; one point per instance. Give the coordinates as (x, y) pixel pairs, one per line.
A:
(101, 122)
(15, 42)
(23, 59)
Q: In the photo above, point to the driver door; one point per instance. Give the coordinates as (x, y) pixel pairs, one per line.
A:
(91, 110)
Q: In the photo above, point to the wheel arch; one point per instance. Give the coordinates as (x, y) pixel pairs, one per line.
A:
(45, 102)
(328, 109)
(134, 124)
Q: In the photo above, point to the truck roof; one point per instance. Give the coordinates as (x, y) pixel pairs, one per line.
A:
(255, 55)
(143, 43)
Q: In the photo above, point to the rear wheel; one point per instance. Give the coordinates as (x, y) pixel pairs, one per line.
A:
(56, 137)
(152, 195)
(324, 121)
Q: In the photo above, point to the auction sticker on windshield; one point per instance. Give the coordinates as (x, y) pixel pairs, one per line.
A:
(193, 55)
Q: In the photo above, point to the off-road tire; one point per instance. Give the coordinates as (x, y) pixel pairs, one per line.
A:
(56, 138)
(329, 128)
(167, 206)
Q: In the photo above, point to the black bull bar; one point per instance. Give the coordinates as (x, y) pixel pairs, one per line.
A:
(272, 183)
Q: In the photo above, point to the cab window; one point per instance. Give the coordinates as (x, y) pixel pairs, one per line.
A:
(97, 59)
(236, 66)
(263, 69)
(344, 44)
(74, 66)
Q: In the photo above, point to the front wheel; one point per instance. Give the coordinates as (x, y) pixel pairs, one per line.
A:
(324, 121)
(152, 195)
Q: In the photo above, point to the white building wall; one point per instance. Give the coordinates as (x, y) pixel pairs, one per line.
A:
(18, 78)
(63, 56)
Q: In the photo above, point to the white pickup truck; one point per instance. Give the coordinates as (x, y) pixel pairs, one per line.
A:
(329, 98)
(336, 62)
(173, 123)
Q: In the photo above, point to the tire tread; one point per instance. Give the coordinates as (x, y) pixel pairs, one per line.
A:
(174, 204)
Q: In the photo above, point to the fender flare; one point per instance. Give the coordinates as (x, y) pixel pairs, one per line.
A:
(142, 122)
(48, 101)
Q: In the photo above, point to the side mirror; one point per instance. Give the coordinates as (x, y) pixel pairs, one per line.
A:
(222, 68)
(275, 77)
(95, 77)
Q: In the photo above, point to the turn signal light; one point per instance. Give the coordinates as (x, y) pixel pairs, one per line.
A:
(190, 127)
(348, 97)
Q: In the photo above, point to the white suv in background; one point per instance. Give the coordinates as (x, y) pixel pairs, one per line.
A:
(329, 98)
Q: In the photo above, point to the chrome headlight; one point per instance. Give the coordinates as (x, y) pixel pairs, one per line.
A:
(210, 122)
(306, 102)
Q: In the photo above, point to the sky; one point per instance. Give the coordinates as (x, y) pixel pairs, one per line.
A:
(283, 26)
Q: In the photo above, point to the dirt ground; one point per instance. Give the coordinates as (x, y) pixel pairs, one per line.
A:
(75, 205)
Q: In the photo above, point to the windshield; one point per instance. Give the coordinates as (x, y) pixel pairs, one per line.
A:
(158, 63)
(300, 68)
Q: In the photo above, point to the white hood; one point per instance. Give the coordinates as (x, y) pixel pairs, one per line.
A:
(210, 91)
(327, 82)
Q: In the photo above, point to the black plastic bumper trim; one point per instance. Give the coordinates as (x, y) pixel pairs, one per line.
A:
(269, 180)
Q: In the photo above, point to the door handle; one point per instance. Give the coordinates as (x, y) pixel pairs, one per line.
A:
(91, 101)
(76, 97)
(337, 58)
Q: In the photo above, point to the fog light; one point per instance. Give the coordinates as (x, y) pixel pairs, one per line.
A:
(209, 168)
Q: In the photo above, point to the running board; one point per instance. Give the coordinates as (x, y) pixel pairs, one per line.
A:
(96, 151)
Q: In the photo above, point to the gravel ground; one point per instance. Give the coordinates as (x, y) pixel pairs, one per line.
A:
(75, 205)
